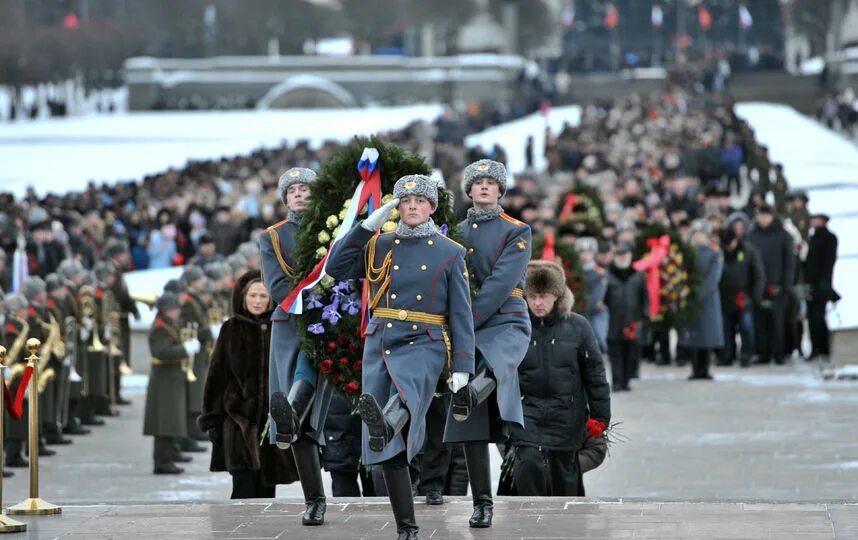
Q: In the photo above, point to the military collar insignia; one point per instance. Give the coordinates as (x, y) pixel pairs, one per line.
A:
(479, 215)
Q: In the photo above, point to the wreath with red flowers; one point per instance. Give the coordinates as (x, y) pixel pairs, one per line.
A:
(330, 323)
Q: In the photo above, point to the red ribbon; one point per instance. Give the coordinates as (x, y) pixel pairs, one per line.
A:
(568, 204)
(548, 252)
(15, 406)
(651, 263)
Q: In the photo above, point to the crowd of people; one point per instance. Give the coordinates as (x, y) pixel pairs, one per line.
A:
(839, 111)
(681, 161)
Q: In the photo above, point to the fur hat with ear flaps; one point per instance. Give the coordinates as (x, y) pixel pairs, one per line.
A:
(548, 277)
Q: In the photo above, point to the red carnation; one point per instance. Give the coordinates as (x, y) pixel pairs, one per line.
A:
(99, 292)
(352, 387)
(332, 346)
(358, 365)
(11, 328)
(344, 361)
(51, 303)
(159, 322)
(336, 379)
(354, 347)
(595, 428)
(342, 340)
(326, 365)
(31, 311)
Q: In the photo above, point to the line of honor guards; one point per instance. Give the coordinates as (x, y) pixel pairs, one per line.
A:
(81, 319)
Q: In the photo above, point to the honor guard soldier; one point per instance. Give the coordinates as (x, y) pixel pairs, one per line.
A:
(166, 416)
(498, 252)
(108, 362)
(195, 318)
(72, 271)
(420, 324)
(298, 396)
(91, 352)
(14, 333)
(118, 253)
(55, 395)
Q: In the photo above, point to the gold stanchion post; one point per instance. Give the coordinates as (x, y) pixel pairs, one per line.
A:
(7, 524)
(34, 506)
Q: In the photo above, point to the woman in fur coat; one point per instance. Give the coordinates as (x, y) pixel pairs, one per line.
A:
(235, 403)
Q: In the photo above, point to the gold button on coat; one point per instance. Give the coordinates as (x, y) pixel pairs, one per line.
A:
(423, 267)
(396, 241)
(393, 296)
(390, 325)
(419, 297)
(387, 352)
(414, 327)
(430, 242)
(396, 267)
(474, 226)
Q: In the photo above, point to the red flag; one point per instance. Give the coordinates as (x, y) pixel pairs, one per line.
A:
(612, 17)
(704, 18)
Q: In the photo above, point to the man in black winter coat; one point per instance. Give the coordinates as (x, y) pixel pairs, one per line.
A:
(774, 245)
(819, 275)
(341, 452)
(742, 282)
(628, 307)
(563, 383)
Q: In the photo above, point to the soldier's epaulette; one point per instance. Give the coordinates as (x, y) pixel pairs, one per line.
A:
(447, 238)
(271, 228)
(507, 217)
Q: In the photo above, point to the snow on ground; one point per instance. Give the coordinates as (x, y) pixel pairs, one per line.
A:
(64, 154)
(512, 136)
(824, 164)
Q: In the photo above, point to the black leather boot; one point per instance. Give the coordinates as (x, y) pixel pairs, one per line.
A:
(306, 453)
(290, 411)
(383, 425)
(468, 398)
(397, 480)
(15, 454)
(479, 471)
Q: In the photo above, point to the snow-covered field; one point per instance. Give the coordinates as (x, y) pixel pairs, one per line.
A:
(64, 154)
(824, 164)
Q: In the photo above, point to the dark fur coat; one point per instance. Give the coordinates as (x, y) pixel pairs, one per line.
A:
(235, 402)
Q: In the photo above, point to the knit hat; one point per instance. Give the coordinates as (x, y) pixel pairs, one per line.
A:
(168, 301)
(484, 168)
(547, 277)
(33, 287)
(419, 185)
(295, 175)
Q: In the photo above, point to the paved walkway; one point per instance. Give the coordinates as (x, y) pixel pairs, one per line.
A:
(519, 519)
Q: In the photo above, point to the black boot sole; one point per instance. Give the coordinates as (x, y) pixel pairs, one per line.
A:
(373, 417)
(283, 416)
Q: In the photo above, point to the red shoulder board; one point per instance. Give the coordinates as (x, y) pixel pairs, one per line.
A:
(31, 311)
(159, 322)
(51, 303)
(271, 228)
(99, 292)
(511, 219)
(11, 328)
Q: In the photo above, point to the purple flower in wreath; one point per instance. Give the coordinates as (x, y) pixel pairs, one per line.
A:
(443, 230)
(343, 287)
(314, 301)
(316, 328)
(352, 305)
(331, 313)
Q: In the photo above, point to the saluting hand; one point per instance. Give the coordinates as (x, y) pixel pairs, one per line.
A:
(380, 216)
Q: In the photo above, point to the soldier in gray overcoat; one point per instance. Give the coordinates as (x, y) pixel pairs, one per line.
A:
(498, 252)
(299, 398)
(166, 413)
(420, 322)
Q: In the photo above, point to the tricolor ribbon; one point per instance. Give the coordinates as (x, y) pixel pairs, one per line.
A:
(15, 406)
(368, 192)
(659, 248)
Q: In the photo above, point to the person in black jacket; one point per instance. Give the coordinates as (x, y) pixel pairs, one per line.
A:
(562, 380)
(819, 274)
(628, 307)
(774, 245)
(742, 283)
(341, 452)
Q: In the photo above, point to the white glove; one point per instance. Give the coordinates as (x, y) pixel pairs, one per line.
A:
(379, 217)
(87, 323)
(84, 333)
(192, 347)
(216, 330)
(458, 381)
